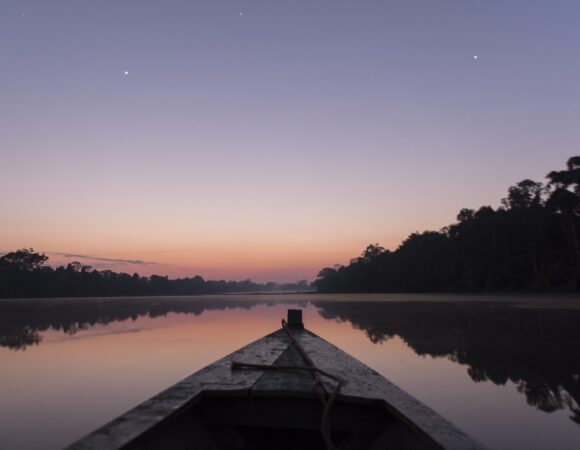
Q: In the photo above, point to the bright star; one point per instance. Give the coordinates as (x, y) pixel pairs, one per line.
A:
(475, 57)
(126, 72)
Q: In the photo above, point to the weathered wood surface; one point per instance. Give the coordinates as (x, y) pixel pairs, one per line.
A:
(215, 377)
(276, 381)
(364, 382)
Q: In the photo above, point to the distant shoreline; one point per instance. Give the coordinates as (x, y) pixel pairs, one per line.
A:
(520, 300)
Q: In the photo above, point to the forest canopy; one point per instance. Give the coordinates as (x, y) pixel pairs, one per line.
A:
(24, 273)
(530, 243)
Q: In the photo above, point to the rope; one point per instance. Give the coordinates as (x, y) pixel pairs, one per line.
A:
(325, 428)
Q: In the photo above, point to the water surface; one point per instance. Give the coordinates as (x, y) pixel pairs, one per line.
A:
(505, 370)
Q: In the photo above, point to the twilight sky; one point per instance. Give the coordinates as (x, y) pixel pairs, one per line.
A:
(267, 139)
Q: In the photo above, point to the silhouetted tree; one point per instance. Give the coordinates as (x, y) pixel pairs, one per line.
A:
(24, 259)
(565, 200)
(530, 244)
(465, 215)
(525, 194)
(372, 251)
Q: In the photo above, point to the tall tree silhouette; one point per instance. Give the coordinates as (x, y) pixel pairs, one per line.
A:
(24, 259)
(565, 199)
(530, 243)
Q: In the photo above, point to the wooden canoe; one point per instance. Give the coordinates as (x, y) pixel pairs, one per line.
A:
(220, 407)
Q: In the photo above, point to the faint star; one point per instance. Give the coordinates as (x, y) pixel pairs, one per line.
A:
(241, 14)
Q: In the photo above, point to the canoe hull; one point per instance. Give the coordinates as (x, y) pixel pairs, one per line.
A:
(218, 407)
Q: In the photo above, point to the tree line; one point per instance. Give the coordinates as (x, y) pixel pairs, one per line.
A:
(25, 273)
(530, 243)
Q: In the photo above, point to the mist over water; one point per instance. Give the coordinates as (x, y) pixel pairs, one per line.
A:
(505, 370)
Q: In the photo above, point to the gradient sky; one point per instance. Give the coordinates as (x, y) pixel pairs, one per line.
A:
(267, 139)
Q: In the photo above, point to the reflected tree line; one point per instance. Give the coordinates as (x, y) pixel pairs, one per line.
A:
(22, 322)
(536, 349)
(25, 273)
(531, 242)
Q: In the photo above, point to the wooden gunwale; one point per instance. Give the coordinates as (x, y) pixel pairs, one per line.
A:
(363, 386)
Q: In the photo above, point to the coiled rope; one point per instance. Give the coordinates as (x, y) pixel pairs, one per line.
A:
(318, 388)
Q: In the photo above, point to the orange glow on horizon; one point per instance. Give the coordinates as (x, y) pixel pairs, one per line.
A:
(269, 259)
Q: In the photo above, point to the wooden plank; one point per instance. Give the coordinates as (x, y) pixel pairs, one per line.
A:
(363, 382)
(215, 377)
(286, 381)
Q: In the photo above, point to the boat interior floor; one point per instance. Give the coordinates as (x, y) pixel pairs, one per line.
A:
(234, 423)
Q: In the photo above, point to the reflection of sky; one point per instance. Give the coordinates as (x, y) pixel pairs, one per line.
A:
(86, 379)
(272, 143)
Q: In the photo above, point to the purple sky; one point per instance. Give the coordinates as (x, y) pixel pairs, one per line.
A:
(267, 139)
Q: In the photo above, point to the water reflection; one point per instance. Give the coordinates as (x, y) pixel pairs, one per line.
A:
(23, 321)
(535, 348)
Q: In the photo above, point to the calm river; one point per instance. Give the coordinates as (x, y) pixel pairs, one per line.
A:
(505, 370)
